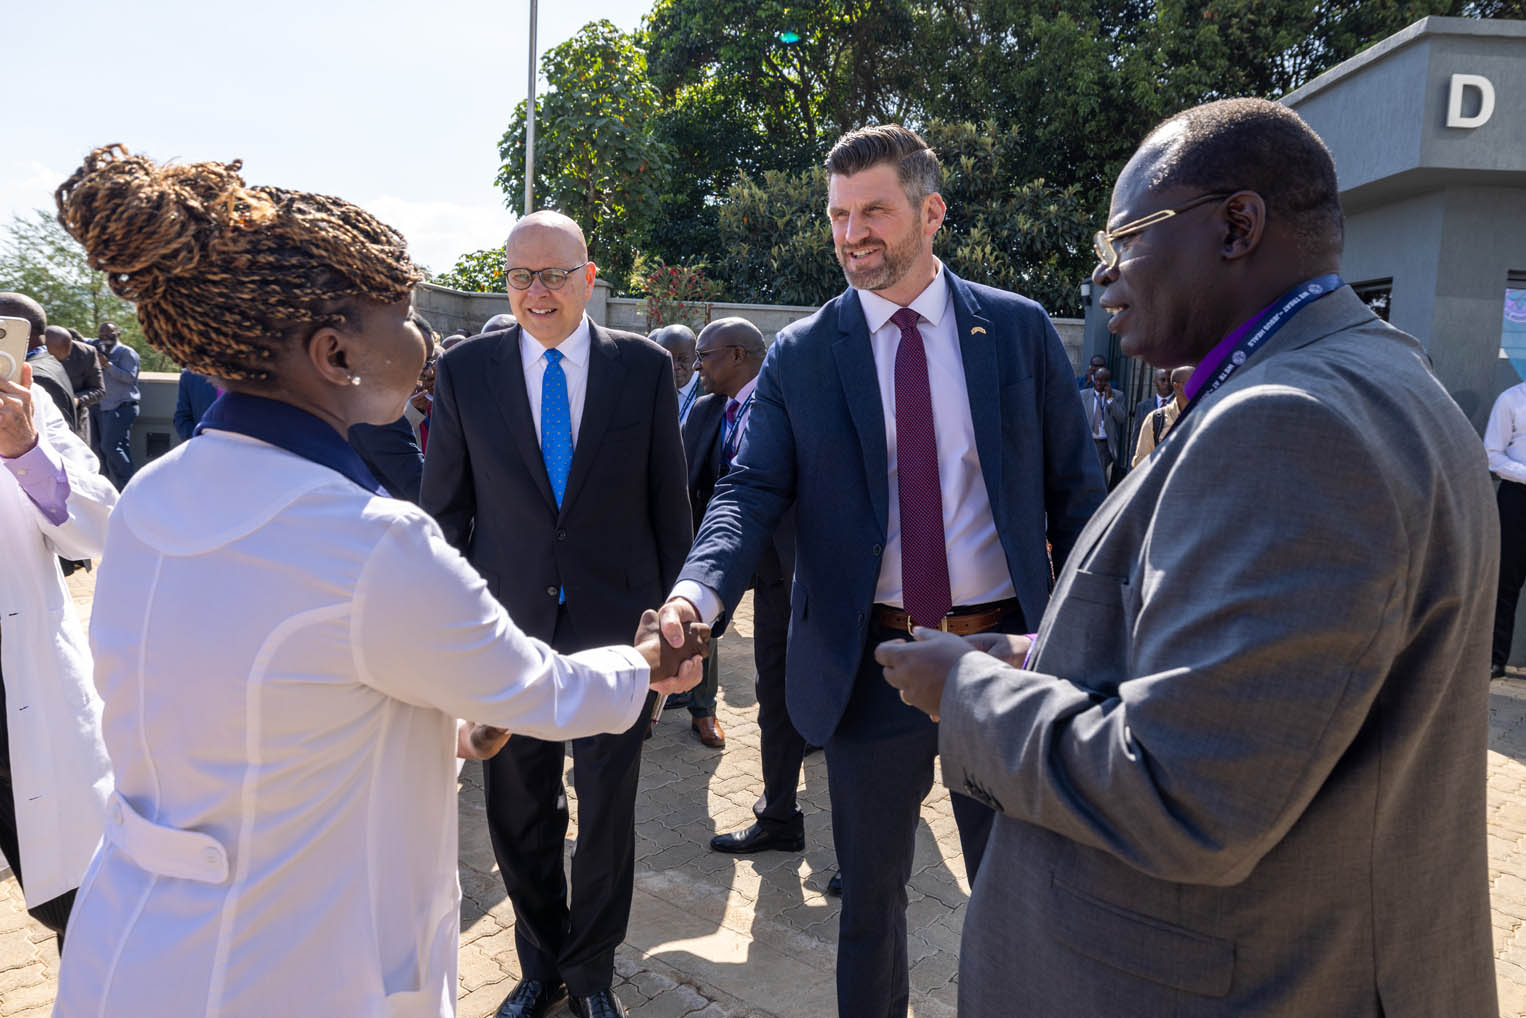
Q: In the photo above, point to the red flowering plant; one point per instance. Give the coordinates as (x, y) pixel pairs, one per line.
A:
(677, 293)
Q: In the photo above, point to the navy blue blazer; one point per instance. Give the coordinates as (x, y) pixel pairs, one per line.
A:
(816, 439)
(193, 395)
(392, 455)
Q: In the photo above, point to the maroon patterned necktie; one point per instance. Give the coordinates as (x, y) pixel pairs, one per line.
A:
(924, 553)
(729, 441)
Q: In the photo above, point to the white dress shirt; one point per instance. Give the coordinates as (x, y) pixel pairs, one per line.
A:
(1505, 436)
(743, 399)
(574, 350)
(1097, 413)
(282, 657)
(687, 397)
(977, 565)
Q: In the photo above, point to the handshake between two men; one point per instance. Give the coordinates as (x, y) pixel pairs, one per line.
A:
(677, 665)
(917, 667)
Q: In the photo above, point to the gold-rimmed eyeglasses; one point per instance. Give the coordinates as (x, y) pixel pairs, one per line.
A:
(551, 279)
(1102, 243)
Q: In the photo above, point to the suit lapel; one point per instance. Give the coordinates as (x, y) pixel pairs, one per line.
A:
(977, 351)
(606, 376)
(861, 389)
(514, 404)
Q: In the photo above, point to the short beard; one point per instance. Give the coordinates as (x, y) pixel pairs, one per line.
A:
(895, 263)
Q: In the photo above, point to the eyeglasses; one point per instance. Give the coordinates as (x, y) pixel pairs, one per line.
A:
(1102, 243)
(551, 279)
(700, 355)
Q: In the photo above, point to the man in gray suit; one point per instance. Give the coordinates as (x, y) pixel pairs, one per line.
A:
(1107, 416)
(1240, 769)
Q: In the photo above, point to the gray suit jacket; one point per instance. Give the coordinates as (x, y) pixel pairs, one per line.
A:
(1245, 775)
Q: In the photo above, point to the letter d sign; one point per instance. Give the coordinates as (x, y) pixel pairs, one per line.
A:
(1460, 84)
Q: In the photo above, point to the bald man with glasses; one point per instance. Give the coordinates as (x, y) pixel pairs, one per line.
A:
(556, 467)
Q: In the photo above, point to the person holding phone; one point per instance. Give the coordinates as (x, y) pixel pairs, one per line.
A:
(54, 772)
(284, 652)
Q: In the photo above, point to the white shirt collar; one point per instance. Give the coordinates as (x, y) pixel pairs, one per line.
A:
(931, 303)
(688, 387)
(574, 349)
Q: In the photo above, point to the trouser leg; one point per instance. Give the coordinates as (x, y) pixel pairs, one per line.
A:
(1512, 509)
(702, 696)
(606, 769)
(527, 820)
(116, 444)
(879, 771)
(783, 749)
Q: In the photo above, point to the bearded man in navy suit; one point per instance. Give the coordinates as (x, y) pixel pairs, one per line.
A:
(927, 433)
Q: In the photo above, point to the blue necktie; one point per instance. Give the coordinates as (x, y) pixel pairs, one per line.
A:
(556, 431)
(555, 425)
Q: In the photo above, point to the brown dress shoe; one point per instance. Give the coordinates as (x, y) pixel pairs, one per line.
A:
(708, 730)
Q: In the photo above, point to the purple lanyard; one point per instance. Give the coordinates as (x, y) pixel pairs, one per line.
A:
(1245, 341)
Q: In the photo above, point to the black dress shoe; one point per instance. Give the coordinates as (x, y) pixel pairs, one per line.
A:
(1497, 672)
(531, 998)
(603, 1004)
(758, 838)
(834, 886)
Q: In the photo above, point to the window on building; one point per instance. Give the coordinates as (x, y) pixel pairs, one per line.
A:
(1513, 328)
(1377, 294)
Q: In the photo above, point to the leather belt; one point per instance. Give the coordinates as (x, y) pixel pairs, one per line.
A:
(962, 621)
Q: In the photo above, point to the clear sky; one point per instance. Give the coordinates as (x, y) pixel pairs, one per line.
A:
(395, 106)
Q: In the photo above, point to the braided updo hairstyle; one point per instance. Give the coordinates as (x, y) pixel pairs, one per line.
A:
(224, 274)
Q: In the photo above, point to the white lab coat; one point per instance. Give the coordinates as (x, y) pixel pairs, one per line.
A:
(59, 771)
(283, 657)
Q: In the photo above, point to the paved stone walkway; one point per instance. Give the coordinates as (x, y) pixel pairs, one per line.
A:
(714, 936)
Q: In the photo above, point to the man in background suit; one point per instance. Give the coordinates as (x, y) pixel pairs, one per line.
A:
(1242, 772)
(78, 359)
(194, 394)
(1108, 420)
(678, 340)
(729, 355)
(1161, 378)
(926, 431)
(555, 465)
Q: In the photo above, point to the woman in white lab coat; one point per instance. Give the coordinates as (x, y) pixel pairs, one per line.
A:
(283, 653)
(57, 765)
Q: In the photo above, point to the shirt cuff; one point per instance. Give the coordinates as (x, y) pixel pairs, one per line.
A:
(634, 674)
(41, 475)
(706, 601)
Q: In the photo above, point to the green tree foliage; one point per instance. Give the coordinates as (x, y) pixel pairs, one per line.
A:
(38, 258)
(1015, 237)
(738, 101)
(477, 271)
(1063, 91)
(597, 157)
(777, 241)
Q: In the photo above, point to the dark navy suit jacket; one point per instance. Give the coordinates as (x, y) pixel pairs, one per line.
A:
(392, 455)
(816, 439)
(192, 397)
(617, 541)
(702, 434)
